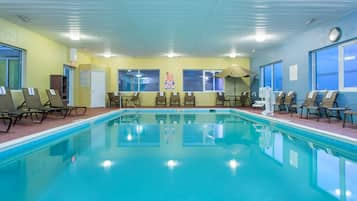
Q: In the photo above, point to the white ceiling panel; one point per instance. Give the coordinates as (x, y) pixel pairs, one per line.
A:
(153, 27)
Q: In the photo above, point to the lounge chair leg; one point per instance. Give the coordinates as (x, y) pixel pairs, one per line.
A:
(8, 125)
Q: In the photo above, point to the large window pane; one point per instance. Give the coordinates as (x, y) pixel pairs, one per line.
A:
(278, 76)
(267, 76)
(193, 80)
(128, 80)
(139, 80)
(219, 83)
(327, 69)
(350, 65)
(2, 72)
(10, 67)
(209, 79)
(14, 74)
(149, 80)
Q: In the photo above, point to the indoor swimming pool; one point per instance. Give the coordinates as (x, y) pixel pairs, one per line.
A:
(180, 155)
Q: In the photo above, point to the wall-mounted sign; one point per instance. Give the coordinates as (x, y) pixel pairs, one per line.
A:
(169, 81)
(293, 72)
(84, 76)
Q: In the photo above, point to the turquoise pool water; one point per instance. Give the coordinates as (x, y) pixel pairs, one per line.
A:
(184, 156)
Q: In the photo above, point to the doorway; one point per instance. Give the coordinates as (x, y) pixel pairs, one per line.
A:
(98, 88)
(68, 71)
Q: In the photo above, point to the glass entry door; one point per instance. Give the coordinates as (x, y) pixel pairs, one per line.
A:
(68, 71)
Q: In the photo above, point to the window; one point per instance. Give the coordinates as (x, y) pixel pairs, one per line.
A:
(272, 76)
(202, 80)
(335, 68)
(10, 67)
(349, 66)
(139, 80)
(326, 67)
(192, 80)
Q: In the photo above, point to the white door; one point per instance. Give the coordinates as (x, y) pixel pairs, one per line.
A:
(98, 89)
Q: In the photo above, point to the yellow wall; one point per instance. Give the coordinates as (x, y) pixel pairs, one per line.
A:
(45, 57)
(175, 66)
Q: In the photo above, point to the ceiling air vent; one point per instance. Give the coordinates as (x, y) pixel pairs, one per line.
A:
(24, 18)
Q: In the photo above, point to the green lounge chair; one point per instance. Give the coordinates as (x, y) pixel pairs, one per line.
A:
(56, 101)
(310, 101)
(33, 103)
(8, 108)
(327, 106)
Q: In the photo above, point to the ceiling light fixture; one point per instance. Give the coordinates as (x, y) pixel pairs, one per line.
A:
(172, 54)
(107, 54)
(260, 37)
(75, 35)
(233, 54)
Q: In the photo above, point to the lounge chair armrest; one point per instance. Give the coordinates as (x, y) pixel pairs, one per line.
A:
(47, 103)
(21, 105)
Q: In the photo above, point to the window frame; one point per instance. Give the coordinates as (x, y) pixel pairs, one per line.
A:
(341, 69)
(22, 63)
(272, 75)
(204, 80)
(138, 83)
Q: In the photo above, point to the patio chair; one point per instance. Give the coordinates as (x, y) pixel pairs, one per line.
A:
(113, 99)
(279, 101)
(310, 101)
(135, 99)
(56, 101)
(160, 99)
(221, 100)
(289, 100)
(244, 98)
(327, 106)
(7, 123)
(348, 113)
(189, 99)
(33, 102)
(175, 99)
(8, 108)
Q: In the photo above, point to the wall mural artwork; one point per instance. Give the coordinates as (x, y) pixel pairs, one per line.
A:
(169, 81)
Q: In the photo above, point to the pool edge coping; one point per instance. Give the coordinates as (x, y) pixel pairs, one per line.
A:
(38, 135)
(339, 136)
(18, 141)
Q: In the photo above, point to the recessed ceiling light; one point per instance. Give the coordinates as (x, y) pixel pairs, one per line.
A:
(76, 35)
(107, 54)
(233, 54)
(172, 54)
(260, 37)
